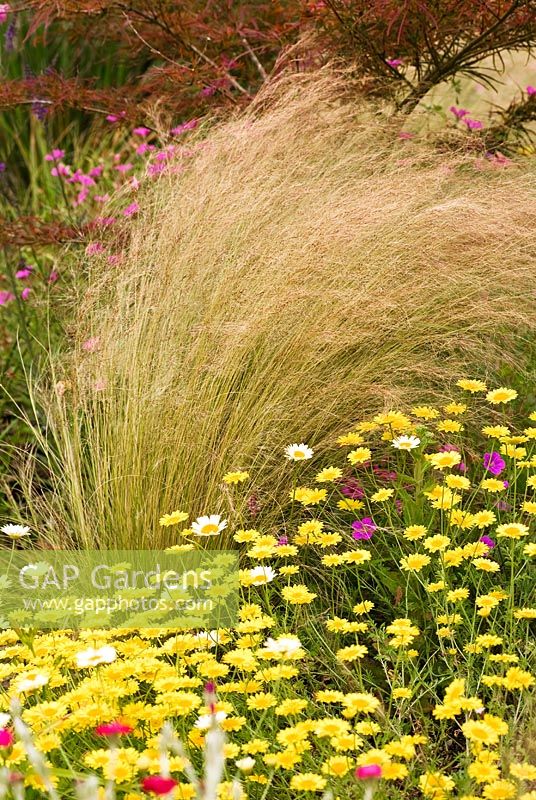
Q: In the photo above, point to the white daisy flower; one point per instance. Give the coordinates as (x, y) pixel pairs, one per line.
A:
(406, 442)
(31, 681)
(209, 526)
(283, 645)
(298, 452)
(205, 721)
(15, 531)
(245, 764)
(260, 575)
(91, 657)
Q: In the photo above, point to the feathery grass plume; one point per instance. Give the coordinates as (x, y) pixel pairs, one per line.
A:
(302, 267)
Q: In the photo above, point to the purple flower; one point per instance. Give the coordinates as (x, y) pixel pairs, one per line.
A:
(487, 541)
(282, 540)
(494, 463)
(2, 166)
(394, 62)
(363, 528)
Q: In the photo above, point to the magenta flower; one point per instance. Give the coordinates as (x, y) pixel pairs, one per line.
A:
(55, 155)
(472, 124)
(113, 729)
(368, 772)
(130, 210)
(25, 293)
(22, 274)
(363, 528)
(53, 277)
(488, 541)
(6, 738)
(5, 297)
(531, 90)
(394, 62)
(94, 248)
(61, 169)
(459, 113)
(5, 8)
(116, 117)
(157, 784)
(352, 489)
(494, 463)
(282, 541)
(185, 126)
(141, 131)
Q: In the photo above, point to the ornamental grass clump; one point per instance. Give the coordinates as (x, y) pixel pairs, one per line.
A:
(298, 266)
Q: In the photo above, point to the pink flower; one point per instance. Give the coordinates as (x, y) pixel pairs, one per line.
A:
(143, 148)
(55, 155)
(531, 90)
(5, 8)
(96, 172)
(5, 297)
(25, 293)
(24, 273)
(113, 728)
(116, 117)
(405, 135)
(157, 784)
(61, 169)
(53, 277)
(141, 131)
(101, 198)
(363, 528)
(368, 771)
(459, 113)
(114, 259)
(91, 344)
(394, 62)
(6, 737)
(133, 208)
(472, 124)
(123, 168)
(185, 126)
(94, 248)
